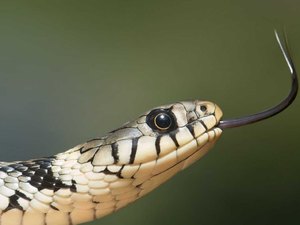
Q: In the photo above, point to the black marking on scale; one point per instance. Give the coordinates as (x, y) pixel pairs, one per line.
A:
(40, 176)
(70, 219)
(133, 150)
(22, 195)
(73, 186)
(108, 172)
(53, 207)
(190, 127)
(157, 144)
(115, 152)
(92, 158)
(119, 173)
(13, 203)
(203, 124)
(173, 137)
(83, 150)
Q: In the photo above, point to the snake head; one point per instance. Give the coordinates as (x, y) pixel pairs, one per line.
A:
(166, 129)
(166, 138)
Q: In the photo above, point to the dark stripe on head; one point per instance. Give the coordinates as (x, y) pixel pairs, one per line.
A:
(115, 152)
(133, 150)
(157, 145)
(190, 127)
(203, 124)
(173, 137)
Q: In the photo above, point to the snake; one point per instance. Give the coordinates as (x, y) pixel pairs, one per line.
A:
(105, 174)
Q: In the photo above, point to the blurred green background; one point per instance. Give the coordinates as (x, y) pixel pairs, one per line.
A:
(74, 70)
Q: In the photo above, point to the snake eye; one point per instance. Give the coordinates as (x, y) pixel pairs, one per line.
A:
(161, 120)
(203, 108)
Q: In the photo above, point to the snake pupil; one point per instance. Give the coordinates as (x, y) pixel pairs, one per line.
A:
(163, 121)
(203, 108)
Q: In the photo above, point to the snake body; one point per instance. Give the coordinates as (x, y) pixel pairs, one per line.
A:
(105, 174)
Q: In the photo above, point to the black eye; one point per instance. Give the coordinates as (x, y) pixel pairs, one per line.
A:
(203, 108)
(161, 120)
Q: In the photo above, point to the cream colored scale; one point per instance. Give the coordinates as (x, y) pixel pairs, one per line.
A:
(105, 174)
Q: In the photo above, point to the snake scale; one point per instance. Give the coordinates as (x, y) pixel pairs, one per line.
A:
(105, 174)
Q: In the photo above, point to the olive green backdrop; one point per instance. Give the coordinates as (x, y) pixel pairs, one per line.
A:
(74, 70)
